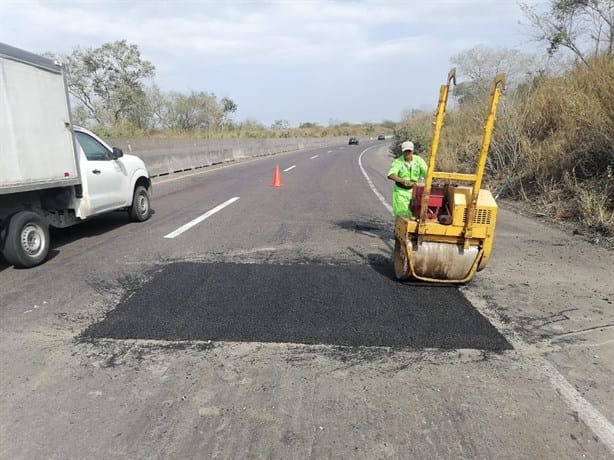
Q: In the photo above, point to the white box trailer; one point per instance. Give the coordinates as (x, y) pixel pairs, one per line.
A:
(51, 172)
(33, 94)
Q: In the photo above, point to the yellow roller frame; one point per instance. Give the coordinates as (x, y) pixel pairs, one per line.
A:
(441, 113)
(427, 231)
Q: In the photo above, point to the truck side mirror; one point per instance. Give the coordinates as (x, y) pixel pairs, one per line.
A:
(117, 153)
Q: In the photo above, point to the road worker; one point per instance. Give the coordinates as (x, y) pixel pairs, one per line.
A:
(406, 171)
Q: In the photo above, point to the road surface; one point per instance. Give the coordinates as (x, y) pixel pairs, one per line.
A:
(250, 321)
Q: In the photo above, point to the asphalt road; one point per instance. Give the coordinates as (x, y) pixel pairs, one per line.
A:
(304, 304)
(250, 321)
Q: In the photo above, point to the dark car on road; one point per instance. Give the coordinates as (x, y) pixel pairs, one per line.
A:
(381, 137)
(353, 140)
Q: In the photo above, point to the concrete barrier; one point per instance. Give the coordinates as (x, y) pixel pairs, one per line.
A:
(167, 156)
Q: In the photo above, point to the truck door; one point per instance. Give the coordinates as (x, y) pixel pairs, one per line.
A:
(106, 177)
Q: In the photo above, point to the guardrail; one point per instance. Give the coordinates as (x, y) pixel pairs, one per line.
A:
(167, 156)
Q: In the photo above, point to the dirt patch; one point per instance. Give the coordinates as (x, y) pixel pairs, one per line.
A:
(598, 237)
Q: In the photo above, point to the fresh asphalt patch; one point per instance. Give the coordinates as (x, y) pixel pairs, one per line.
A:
(347, 305)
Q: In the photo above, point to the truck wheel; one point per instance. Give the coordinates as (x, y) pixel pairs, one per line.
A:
(27, 240)
(140, 210)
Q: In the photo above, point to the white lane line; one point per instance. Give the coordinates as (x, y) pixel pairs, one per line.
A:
(291, 167)
(370, 182)
(199, 219)
(588, 413)
(600, 425)
(315, 156)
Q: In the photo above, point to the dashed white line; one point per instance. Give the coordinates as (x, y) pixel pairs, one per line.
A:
(291, 167)
(315, 156)
(199, 219)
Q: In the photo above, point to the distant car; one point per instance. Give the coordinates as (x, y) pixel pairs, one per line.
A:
(381, 137)
(353, 140)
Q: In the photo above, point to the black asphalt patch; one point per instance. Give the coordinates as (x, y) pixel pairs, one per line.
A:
(353, 305)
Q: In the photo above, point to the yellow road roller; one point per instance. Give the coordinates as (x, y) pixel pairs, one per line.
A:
(450, 233)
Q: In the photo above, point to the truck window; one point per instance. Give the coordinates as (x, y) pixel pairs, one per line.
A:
(94, 150)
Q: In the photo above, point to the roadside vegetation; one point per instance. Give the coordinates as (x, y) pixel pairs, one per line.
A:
(552, 149)
(113, 92)
(553, 146)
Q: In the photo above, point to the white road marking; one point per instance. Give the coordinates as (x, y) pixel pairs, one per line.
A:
(370, 182)
(199, 219)
(315, 156)
(600, 425)
(588, 413)
(291, 167)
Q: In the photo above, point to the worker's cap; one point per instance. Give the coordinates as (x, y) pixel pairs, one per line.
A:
(407, 145)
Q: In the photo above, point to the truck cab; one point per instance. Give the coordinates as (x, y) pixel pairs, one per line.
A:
(108, 176)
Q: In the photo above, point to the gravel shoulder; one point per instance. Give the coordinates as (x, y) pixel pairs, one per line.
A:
(552, 290)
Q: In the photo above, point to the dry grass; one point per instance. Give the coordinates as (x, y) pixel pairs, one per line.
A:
(553, 145)
(252, 130)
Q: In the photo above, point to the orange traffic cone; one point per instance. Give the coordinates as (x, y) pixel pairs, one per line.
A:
(277, 178)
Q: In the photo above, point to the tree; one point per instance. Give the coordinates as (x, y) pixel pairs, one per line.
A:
(368, 127)
(195, 111)
(157, 105)
(280, 125)
(251, 127)
(228, 106)
(108, 82)
(585, 27)
(389, 124)
(481, 63)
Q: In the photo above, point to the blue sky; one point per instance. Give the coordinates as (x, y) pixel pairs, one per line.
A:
(300, 61)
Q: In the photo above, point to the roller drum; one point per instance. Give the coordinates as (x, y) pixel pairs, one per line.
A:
(443, 261)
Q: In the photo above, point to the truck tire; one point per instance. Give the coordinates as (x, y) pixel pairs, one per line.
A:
(27, 240)
(140, 209)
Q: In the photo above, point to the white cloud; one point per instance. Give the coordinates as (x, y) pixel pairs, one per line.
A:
(263, 54)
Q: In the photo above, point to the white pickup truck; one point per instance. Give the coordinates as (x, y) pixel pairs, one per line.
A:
(54, 174)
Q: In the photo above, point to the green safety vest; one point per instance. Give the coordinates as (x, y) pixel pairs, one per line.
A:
(413, 171)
